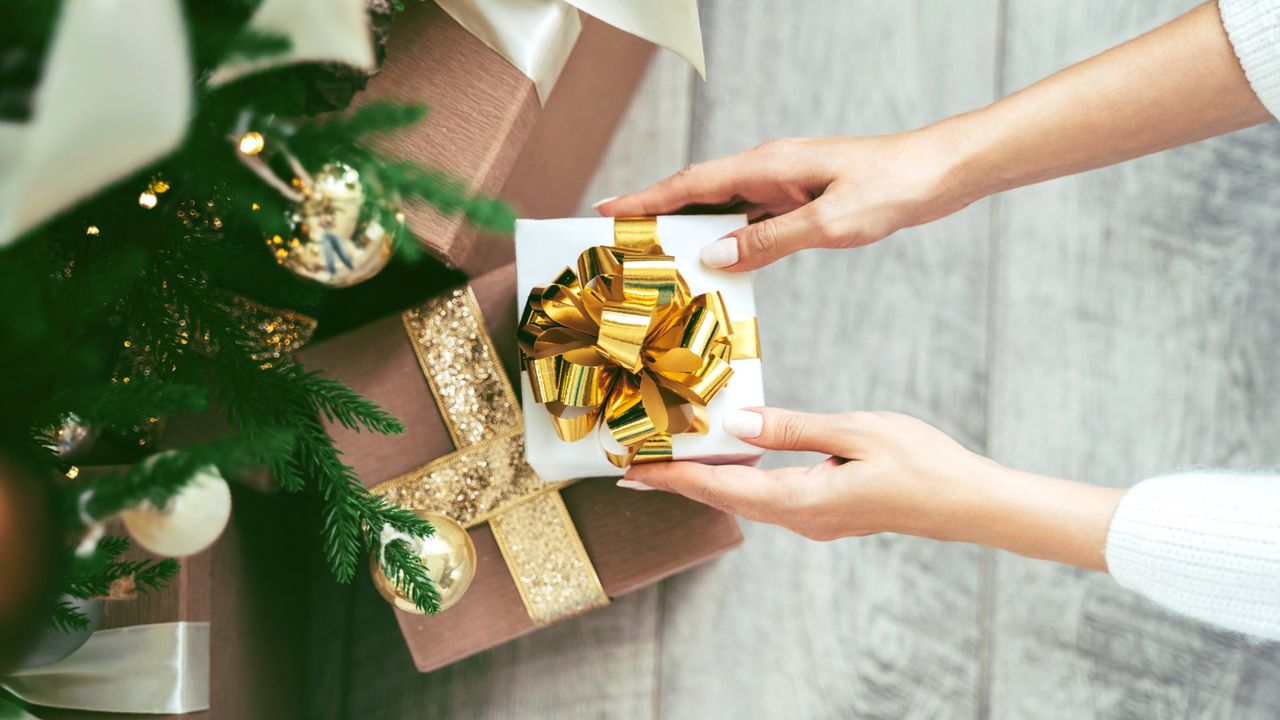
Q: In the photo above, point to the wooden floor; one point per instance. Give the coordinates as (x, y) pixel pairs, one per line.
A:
(1104, 327)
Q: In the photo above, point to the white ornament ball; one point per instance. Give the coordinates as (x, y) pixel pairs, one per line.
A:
(190, 522)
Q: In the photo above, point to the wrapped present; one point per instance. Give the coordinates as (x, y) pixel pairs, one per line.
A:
(633, 349)
(487, 125)
(546, 551)
(224, 639)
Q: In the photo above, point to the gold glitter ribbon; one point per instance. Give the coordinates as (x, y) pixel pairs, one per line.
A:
(487, 478)
(623, 343)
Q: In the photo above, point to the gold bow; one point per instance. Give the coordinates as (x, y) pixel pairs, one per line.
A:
(624, 339)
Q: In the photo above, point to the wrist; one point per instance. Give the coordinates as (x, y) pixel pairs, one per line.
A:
(1043, 517)
(970, 169)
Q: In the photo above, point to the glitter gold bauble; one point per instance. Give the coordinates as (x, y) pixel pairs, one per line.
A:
(450, 559)
(190, 522)
(336, 240)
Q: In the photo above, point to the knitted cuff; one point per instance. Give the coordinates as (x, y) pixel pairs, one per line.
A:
(1203, 543)
(1254, 29)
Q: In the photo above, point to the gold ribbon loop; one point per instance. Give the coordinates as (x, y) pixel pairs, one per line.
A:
(623, 341)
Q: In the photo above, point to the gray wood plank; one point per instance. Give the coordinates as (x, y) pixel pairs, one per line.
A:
(876, 627)
(1136, 329)
(599, 665)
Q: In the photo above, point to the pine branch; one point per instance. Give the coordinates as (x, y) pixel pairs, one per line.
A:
(155, 575)
(377, 117)
(342, 404)
(162, 476)
(121, 405)
(252, 44)
(409, 575)
(93, 577)
(446, 194)
(66, 617)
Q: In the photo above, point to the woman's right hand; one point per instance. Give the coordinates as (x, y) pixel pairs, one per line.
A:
(813, 192)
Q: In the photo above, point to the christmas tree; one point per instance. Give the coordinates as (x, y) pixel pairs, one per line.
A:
(183, 278)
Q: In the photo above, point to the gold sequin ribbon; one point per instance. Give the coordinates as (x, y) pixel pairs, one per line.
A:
(487, 478)
(623, 342)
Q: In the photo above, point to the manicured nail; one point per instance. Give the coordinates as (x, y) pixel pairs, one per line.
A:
(598, 203)
(721, 253)
(634, 485)
(744, 423)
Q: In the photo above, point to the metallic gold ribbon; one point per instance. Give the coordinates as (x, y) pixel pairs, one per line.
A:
(623, 344)
(487, 478)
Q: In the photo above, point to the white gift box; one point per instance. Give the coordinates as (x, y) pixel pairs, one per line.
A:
(545, 247)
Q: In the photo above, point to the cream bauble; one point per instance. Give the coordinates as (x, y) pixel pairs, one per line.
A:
(190, 522)
(336, 238)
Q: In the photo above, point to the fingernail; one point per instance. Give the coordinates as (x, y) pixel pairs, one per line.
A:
(598, 203)
(744, 423)
(721, 253)
(633, 485)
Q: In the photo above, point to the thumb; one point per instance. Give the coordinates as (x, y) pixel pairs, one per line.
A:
(778, 429)
(755, 246)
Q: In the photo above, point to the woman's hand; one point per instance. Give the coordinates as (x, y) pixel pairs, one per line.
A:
(811, 192)
(892, 473)
(1177, 84)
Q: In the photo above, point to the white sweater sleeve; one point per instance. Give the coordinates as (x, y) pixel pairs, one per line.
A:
(1203, 543)
(1254, 29)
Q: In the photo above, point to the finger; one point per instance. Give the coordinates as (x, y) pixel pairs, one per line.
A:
(715, 182)
(738, 489)
(757, 245)
(777, 429)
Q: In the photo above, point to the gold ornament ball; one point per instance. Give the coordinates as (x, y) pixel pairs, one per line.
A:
(252, 143)
(450, 559)
(190, 522)
(336, 240)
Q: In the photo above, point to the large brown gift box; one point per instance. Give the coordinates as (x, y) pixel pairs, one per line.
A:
(251, 589)
(487, 128)
(632, 539)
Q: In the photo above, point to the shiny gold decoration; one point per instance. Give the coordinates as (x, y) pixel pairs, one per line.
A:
(623, 342)
(546, 558)
(252, 142)
(147, 199)
(450, 559)
(337, 240)
(279, 333)
(487, 479)
(158, 185)
(92, 230)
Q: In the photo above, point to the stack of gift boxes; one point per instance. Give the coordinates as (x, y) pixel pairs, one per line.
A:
(555, 506)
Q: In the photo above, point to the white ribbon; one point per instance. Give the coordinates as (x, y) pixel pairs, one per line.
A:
(161, 668)
(536, 36)
(115, 95)
(318, 31)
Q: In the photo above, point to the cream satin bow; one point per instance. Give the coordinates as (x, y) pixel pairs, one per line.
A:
(115, 94)
(159, 668)
(536, 36)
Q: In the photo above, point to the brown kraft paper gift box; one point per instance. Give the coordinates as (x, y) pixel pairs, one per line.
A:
(487, 129)
(252, 591)
(633, 539)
